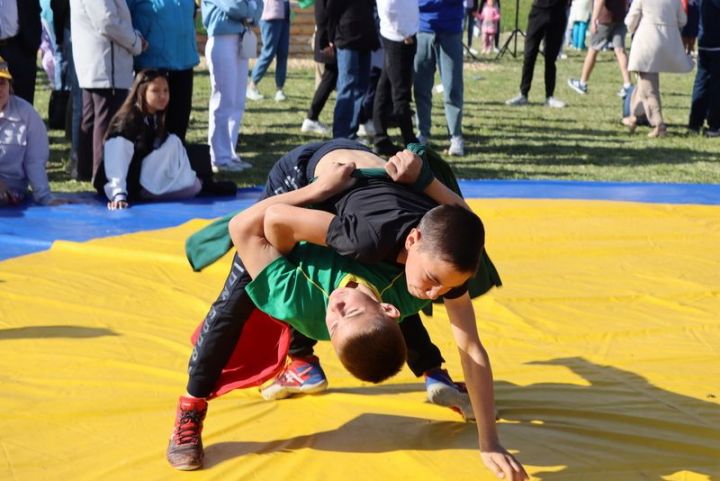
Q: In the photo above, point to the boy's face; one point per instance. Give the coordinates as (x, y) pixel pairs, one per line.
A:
(351, 309)
(428, 276)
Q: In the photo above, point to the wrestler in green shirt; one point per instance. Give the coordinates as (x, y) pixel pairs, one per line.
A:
(296, 288)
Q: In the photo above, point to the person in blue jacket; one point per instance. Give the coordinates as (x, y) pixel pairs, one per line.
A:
(169, 28)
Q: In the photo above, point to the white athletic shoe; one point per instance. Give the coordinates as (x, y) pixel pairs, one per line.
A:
(366, 130)
(518, 100)
(280, 96)
(314, 126)
(457, 146)
(555, 103)
(252, 93)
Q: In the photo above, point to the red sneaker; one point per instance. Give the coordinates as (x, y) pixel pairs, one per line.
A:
(185, 450)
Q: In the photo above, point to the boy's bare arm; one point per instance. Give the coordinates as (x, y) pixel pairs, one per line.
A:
(405, 167)
(478, 378)
(247, 229)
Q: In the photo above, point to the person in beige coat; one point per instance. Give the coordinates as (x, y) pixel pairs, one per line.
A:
(657, 47)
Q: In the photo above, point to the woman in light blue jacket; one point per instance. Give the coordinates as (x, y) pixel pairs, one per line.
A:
(169, 28)
(227, 23)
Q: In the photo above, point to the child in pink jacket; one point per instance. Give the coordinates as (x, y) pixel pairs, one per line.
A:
(489, 17)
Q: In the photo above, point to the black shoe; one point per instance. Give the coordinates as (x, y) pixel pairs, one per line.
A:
(386, 148)
(712, 133)
(219, 188)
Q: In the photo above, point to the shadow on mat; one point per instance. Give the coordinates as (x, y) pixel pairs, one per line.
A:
(615, 425)
(46, 332)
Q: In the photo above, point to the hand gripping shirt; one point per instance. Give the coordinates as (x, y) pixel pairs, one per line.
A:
(295, 288)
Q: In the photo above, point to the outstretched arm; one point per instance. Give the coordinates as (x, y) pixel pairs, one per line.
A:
(478, 378)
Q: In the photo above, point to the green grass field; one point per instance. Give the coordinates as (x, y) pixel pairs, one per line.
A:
(585, 141)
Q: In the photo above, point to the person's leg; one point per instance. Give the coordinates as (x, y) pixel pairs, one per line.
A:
(618, 41)
(106, 102)
(588, 64)
(328, 80)
(537, 21)
(424, 66)
(282, 52)
(85, 137)
(649, 95)
(700, 93)
(713, 110)
(221, 54)
(238, 109)
(77, 106)
(401, 82)
(451, 74)
(348, 64)
(553, 43)
(270, 31)
(180, 105)
(582, 34)
(382, 107)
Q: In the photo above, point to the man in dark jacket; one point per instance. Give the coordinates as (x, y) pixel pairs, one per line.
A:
(20, 31)
(352, 32)
(706, 91)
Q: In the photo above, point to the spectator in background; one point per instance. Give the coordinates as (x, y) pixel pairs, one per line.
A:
(351, 31)
(439, 45)
(20, 31)
(690, 30)
(399, 22)
(328, 80)
(228, 26)
(61, 24)
(607, 27)
(24, 148)
(490, 18)
(580, 12)
(104, 42)
(169, 28)
(547, 20)
(656, 47)
(471, 9)
(706, 91)
(275, 31)
(142, 159)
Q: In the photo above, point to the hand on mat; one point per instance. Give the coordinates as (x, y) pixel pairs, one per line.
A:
(504, 465)
(337, 178)
(118, 204)
(404, 167)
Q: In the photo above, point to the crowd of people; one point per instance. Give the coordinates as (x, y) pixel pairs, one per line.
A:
(380, 56)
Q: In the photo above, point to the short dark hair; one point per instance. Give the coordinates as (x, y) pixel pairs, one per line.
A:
(454, 234)
(375, 354)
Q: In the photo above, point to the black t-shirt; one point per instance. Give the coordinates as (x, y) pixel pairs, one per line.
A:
(374, 218)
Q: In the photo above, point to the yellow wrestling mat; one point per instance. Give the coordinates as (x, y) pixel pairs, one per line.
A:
(605, 343)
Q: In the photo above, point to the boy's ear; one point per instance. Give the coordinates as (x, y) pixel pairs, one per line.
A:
(390, 311)
(412, 238)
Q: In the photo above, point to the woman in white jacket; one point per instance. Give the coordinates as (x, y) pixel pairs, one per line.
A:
(657, 47)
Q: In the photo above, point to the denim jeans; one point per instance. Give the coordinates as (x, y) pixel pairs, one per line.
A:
(446, 51)
(706, 92)
(276, 44)
(352, 83)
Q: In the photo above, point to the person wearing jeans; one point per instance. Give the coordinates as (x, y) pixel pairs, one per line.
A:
(399, 21)
(226, 22)
(706, 91)
(351, 30)
(439, 45)
(275, 32)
